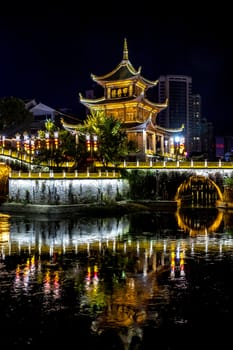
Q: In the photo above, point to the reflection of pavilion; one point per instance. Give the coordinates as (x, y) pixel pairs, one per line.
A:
(133, 276)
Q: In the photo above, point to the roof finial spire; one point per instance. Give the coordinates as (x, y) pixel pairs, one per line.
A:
(125, 52)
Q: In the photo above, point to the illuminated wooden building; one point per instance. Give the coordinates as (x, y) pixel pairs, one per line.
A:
(125, 98)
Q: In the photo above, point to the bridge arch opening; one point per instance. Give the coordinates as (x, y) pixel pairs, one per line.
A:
(198, 190)
(4, 178)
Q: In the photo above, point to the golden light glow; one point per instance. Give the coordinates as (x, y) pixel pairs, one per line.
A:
(201, 230)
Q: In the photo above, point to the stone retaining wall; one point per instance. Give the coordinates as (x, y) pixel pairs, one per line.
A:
(67, 191)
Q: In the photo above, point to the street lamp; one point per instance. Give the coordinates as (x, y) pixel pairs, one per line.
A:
(18, 140)
(92, 145)
(166, 146)
(55, 134)
(47, 141)
(25, 138)
(177, 146)
(52, 143)
(18, 147)
(30, 148)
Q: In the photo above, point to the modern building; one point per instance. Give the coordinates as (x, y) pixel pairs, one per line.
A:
(177, 89)
(195, 133)
(208, 144)
(224, 148)
(125, 98)
(220, 147)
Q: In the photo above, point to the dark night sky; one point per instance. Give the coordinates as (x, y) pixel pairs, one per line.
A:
(49, 53)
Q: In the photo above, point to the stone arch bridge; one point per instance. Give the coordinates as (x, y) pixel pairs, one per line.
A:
(199, 184)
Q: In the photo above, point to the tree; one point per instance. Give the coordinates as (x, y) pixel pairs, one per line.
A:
(112, 143)
(64, 149)
(14, 117)
(54, 151)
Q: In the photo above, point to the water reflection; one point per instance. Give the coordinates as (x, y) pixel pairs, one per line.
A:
(113, 281)
(199, 221)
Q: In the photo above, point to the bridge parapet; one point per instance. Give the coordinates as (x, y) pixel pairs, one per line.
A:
(170, 165)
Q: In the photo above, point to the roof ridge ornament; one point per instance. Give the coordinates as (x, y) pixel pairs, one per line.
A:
(125, 51)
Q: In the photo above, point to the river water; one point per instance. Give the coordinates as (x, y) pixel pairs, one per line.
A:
(139, 281)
